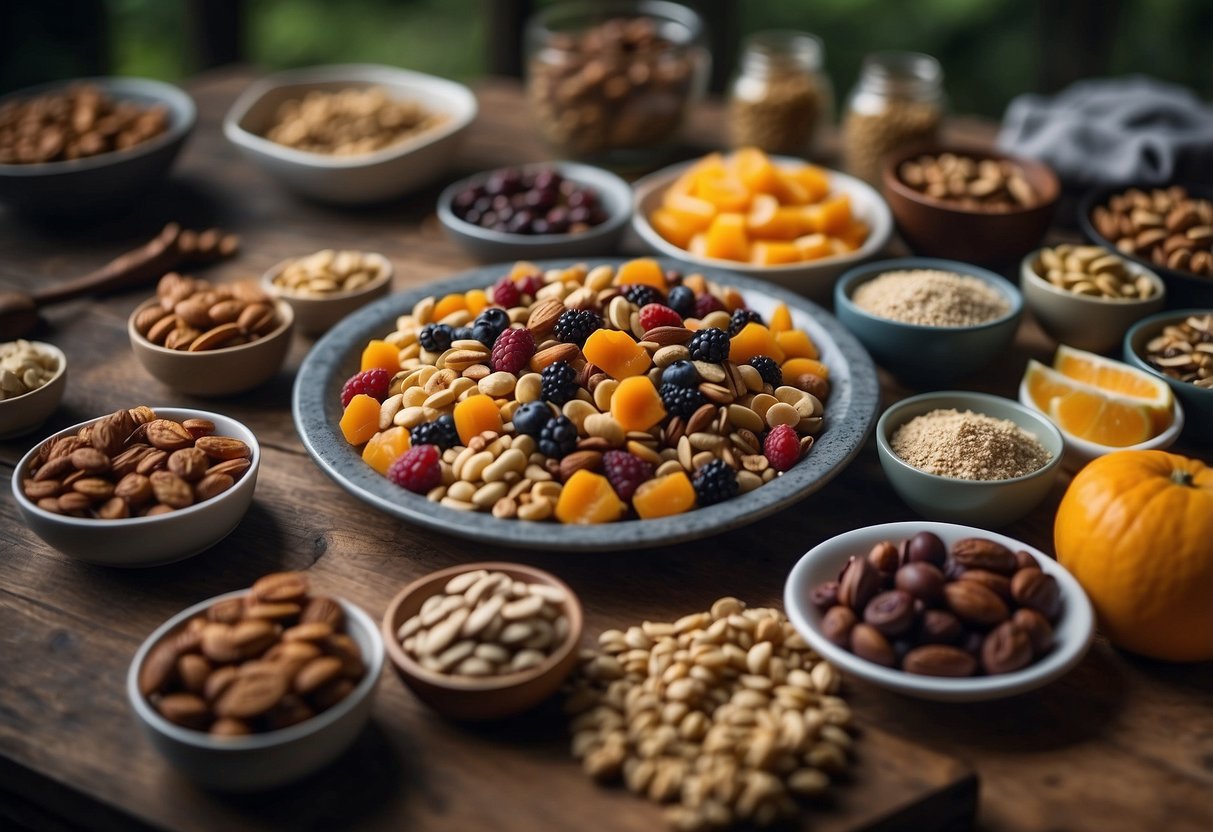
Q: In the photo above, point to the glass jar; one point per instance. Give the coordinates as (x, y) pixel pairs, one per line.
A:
(897, 103)
(780, 98)
(612, 82)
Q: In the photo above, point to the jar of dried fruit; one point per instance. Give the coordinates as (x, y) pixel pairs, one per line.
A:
(898, 102)
(612, 82)
(781, 97)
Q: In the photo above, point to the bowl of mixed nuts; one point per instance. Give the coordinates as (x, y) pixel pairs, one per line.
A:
(324, 287)
(1178, 346)
(33, 376)
(139, 487)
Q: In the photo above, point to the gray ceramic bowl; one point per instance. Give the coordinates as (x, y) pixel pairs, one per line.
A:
(363, 178)
(488, 245)
(22, 414)
(1197, 401)
(1083, 321)
(261, 761)
(985, 503)
(109, 180)
(927, 356)
(315, 314)
(146, 541)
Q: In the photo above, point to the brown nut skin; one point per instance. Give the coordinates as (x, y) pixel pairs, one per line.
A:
(1000, 584)
(1039, 631)
(868, 643)
(857, 584)
(939, 660)
(824, 596)
(974, 604)
(922, 580)
(1006, 649)
(1035, 590)
(981, 553)
(940, 627)
(884, 557)
(837, 623)
(1026, 560)
(926, 547)
(890, 612)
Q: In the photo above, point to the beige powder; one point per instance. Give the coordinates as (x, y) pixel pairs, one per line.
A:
(968, 446)
(930, 297)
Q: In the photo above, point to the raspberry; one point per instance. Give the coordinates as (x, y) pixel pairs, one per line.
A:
(715, 483)
(680, 401)
(711, 345)
(558, 438)
(506, 293)
(740, 318)
(441, 432)
(642, 294)
(559, 382)
(658, 314)
(530, 284)
(489, 324)
(705, 304)
(681, 373)
(575, 325)
(531, 417)
(418, 469)
(436, 337)
(626, 472)
(373, 383)
(781, 447)
(512, 350)
(768, 369)
(682, 300)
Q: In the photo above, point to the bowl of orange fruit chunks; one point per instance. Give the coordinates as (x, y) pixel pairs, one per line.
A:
(1101, 405)
(773, 217)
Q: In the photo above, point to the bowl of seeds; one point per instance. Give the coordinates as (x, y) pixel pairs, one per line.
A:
(326, 286)
(1178, 346)
(963, 457)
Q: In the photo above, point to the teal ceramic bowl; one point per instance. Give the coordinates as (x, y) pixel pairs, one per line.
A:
(1197, 401)
(986, 503)
(927, 356)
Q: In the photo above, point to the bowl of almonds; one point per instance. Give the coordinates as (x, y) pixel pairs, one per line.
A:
(324, 287)
(139, 487)
(255, 688)
(484, 640)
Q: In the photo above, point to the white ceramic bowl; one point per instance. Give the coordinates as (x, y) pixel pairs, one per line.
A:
(26, 412)
(146, 541)
(261, 761)
(814, 279)
(314, 314)
(1088, 323)
(365, 178)
(1081, 451)
(1072, 633)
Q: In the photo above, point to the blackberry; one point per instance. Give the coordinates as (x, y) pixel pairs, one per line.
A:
(682, 300)
(559, 382)
(531, 418)
(642, 294)
(440, 432)
(680, 401)
(715, 483)
(740, 318)
(768, 369)
(575, 325)
(558, 438)
(711, 345)
(489, 324)
(681, 373)
(436, 337)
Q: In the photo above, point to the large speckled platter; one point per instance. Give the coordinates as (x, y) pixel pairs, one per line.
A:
(850, 414)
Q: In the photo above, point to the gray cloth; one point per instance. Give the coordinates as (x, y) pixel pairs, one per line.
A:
(1114, 131)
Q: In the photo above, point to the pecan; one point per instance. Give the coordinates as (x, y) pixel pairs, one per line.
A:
(212, 485)
(168, 435)
(1006, 649)
(135, 488)
(1035, 590)
(281, 586)
(199, 427)
(188, 463)
(939, 660)
(171, 490)
(974, 603)
(323, 609)
(980, 553)
(256, 688)
(109, 433)
(223, 447)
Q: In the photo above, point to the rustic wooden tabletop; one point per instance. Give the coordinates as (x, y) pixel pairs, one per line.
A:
(1121, 743)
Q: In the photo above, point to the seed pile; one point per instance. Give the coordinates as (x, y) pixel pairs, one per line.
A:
(724, 714)
(968, 446)
(24, 368)
(349, 121)
(929, 297)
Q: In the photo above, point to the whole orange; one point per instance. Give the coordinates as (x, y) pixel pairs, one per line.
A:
(1136, 529)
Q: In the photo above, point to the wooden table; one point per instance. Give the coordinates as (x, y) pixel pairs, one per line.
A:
(1120, 744)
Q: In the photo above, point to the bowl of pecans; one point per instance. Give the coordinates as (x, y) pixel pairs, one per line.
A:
(971, 204)
(1178, 346)
(89, 145)
(324, 287)
(139, 487)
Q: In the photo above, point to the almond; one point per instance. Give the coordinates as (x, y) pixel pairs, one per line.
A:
(223, 447)
(212, 485)
(256, 688)
(578, 460)
(232, 467)
(543, 318)
(199, 427)
(171, 490)
(215, 338)
(147, 317)
(134, 488)
(109, 434)
(168, 435)
(255, 318)
(161, 329)
(554, 353)
(189, 463)
(667, 335)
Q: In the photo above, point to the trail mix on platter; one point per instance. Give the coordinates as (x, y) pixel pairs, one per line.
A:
(587, 394)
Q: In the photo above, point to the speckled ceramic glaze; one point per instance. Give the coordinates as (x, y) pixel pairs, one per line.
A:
(850, 414)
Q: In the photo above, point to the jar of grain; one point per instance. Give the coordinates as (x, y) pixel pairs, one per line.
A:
(898, 102)
(781, 97)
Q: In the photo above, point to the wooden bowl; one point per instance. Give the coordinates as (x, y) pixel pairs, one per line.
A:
(481, 698)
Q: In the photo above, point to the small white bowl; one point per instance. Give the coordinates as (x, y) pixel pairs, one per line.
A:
(1089, 323)
(315, 314)
(1072, 634)
(1081, 451)
(814, 279)
(22, 414)
(261, 761)
(146, 541)
(364, 178)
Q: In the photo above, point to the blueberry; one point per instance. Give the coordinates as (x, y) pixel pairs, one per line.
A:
(531, 417)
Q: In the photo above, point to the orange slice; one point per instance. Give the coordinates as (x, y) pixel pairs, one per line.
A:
(1106, 420)
(1112, 376)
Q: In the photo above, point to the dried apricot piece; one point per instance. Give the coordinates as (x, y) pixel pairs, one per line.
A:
(449, 304)
(643, 270)
(360, 420)
(781, 319)
(753, 340)
(727, 238)
(588, 498)
(616, 353)
(636, 404)
(385, 447)
(664, 496)
(794, 367)
(476, 414)
(796, 344)
(381, 355)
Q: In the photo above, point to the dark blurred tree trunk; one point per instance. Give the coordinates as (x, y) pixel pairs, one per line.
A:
(215, 31)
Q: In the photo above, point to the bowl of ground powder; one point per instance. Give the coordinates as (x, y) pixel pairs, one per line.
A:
(968, 457)
(927, 321)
